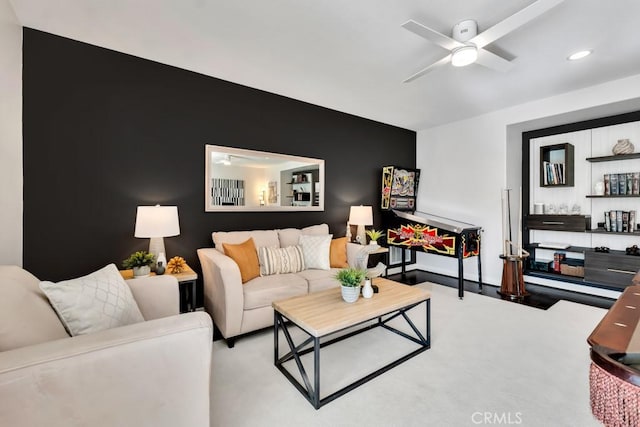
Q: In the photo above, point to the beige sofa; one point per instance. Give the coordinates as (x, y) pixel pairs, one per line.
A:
(152, 373)
(239, 308)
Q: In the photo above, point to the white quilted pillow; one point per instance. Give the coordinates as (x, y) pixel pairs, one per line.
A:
(316, 251)
(92, 303)
(280, 260)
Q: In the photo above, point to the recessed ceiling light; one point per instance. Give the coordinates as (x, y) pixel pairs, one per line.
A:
(579, 55)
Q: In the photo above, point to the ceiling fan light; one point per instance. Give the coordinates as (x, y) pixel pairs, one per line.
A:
(579, 55)
(464, 56)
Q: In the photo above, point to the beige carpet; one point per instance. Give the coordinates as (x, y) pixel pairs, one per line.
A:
(491, 362)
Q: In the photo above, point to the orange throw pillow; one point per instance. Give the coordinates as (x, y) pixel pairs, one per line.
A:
(338, 253)
(246, 256)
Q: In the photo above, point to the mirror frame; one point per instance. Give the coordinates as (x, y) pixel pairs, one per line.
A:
(209, 149)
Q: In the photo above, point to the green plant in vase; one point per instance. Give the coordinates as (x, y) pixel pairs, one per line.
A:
(140, 262)
(374, 235)
(351, 279)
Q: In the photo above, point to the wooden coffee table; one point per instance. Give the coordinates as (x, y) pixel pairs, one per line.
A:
(323, 314)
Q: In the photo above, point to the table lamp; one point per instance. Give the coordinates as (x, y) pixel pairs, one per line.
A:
(361, 216)
(156, 223)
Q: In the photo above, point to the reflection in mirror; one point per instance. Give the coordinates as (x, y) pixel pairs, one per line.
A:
(247, 180)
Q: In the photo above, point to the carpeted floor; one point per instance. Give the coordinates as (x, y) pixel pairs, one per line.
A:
(491, 362)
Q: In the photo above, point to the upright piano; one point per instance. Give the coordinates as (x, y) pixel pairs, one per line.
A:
(424, 232)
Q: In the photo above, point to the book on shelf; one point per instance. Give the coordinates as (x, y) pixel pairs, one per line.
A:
(607, 187)
(553, 173)
(619, 221)
(629, 183)
(607, 221)
(622, 184)
(613, 180)
(632, 221)
(625, 222)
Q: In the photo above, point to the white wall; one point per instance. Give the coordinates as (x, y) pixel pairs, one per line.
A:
(465, 165)
(10, 136)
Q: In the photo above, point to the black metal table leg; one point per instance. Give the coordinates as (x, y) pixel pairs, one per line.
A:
(460, 271)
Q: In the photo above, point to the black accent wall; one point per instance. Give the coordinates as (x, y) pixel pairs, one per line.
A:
(105, 132)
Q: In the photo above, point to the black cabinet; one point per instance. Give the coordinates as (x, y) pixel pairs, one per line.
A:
(615, 269)
(558, 222)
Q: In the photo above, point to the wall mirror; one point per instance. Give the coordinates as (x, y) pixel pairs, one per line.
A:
(252, 181)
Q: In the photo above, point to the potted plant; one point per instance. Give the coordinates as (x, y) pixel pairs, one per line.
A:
(140, 263)
(374, 235)
(350, 279)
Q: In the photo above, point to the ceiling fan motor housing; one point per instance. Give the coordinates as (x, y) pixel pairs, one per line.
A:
(465, 30)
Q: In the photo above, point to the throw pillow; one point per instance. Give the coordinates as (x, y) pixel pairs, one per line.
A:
(92, 303)
(338, 253)
(280, 260)
(246, 256)
(316, 251)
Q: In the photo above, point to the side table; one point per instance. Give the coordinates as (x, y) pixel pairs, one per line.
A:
(187, 285)
(384, 252)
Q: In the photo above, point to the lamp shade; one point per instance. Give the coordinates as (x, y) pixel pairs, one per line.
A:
(157, 221)
(361, 215)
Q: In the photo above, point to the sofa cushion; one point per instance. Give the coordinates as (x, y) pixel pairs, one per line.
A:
(316, 251)
(280, 260)
(319, 280)
(291, 236)
(246, 256)
(26, 317)
(338, 253)
(95, 302)
(268, 238)
(262, 291)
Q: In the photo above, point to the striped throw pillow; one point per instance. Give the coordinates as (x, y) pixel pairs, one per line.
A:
(280, 260)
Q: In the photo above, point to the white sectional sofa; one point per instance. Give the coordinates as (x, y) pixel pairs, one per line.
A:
(238, 308)
(155, 372)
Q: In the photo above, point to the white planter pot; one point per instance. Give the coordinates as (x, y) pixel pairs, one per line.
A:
(143, 271)
(350, 293)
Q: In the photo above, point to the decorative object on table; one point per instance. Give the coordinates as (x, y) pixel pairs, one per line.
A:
(623, 146)
(538, 208)
(367, 290)
(563, 209)
(161, 258)
(160, 268)
(598, 188)
(156, 223)
(550, 209)
(350, 279)
(176, 265)
(374, 235)
(575, 209)
(140, 262)
(360, 216)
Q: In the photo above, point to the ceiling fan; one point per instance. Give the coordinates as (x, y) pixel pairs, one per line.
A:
(467, 46)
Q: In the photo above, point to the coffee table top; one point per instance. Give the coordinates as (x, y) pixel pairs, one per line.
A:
(325, 312)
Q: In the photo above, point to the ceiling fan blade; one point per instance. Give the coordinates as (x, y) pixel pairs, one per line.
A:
(431, 35)
(427, 69)
(493, 61)
(516, 20)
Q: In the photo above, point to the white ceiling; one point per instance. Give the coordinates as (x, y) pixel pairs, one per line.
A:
(352, 55)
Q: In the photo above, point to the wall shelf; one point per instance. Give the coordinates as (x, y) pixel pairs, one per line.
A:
(613, 158)
(605, 196)
(557, 165)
